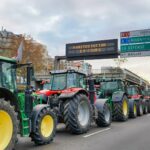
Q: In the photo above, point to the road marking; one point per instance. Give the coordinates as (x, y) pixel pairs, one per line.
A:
(148, 115)
(94, 133)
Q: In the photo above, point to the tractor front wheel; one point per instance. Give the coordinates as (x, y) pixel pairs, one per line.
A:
(8, 126)
(77, 114)
(45, 127)
(105, 117)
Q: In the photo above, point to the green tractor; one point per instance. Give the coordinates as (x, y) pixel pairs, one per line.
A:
(114, 91)
(22, 113)
(72, 97)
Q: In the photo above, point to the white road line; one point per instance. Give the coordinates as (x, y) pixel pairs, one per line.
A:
(88, 135)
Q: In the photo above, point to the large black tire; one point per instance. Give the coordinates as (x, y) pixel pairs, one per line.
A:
(139, 108)
(121, 112)
(45, 127)
(145, 111)
(148, 106)
(8, 124)
(132, 109)
(77, 114)
(104, 117)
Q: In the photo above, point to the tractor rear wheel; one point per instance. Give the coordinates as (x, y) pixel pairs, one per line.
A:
(121, 109)
(104, 118)
(139, 108)
(77, 114)
(8, 126)
(45, 127)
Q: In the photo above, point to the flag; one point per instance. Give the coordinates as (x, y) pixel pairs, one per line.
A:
(19, 52)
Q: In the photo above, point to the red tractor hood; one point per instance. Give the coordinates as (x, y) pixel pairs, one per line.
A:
(135, 96)
(51, 92)
(71, 90)
(47, 92)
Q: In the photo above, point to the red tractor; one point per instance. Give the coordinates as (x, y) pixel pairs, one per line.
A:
(73, 99)
(135, 93)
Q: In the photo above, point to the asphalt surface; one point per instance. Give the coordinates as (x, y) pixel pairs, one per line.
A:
(131, 135)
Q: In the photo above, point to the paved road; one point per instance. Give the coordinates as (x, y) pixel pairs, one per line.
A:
(131, 135)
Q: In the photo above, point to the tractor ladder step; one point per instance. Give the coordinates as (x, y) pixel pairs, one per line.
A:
(25, 127)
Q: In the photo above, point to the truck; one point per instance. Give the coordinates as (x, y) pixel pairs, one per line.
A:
(119, 86)
(22, 113)
(74, 101)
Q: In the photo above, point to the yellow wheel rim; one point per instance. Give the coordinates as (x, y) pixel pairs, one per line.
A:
(6, 129)
(47, 126)
(134, 109)
(125, 107)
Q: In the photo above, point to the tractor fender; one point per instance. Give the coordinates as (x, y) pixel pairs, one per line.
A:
(70, 94)
(117, 96)
(36, 110)
(99, 104)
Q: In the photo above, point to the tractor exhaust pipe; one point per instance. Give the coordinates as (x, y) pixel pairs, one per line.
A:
(28, 93)
(91, 90)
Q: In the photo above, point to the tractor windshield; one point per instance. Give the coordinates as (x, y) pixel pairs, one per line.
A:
(109, 85)
(59, 81)
(7, 76)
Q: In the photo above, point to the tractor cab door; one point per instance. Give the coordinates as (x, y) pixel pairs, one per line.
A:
(121, 86)
(76, 80)
(7, 76)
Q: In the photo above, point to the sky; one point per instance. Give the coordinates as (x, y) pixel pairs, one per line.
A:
(57, 22)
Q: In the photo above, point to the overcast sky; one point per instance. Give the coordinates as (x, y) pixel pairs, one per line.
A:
(57, 22)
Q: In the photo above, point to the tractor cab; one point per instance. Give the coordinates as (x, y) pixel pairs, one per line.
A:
(107, 87)
(65, 79)
(62, 82)
(146, 94)
(134, 92)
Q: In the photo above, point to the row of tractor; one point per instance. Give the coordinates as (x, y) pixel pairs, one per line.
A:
(125, 88)
(120, 95)
(71, 98)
